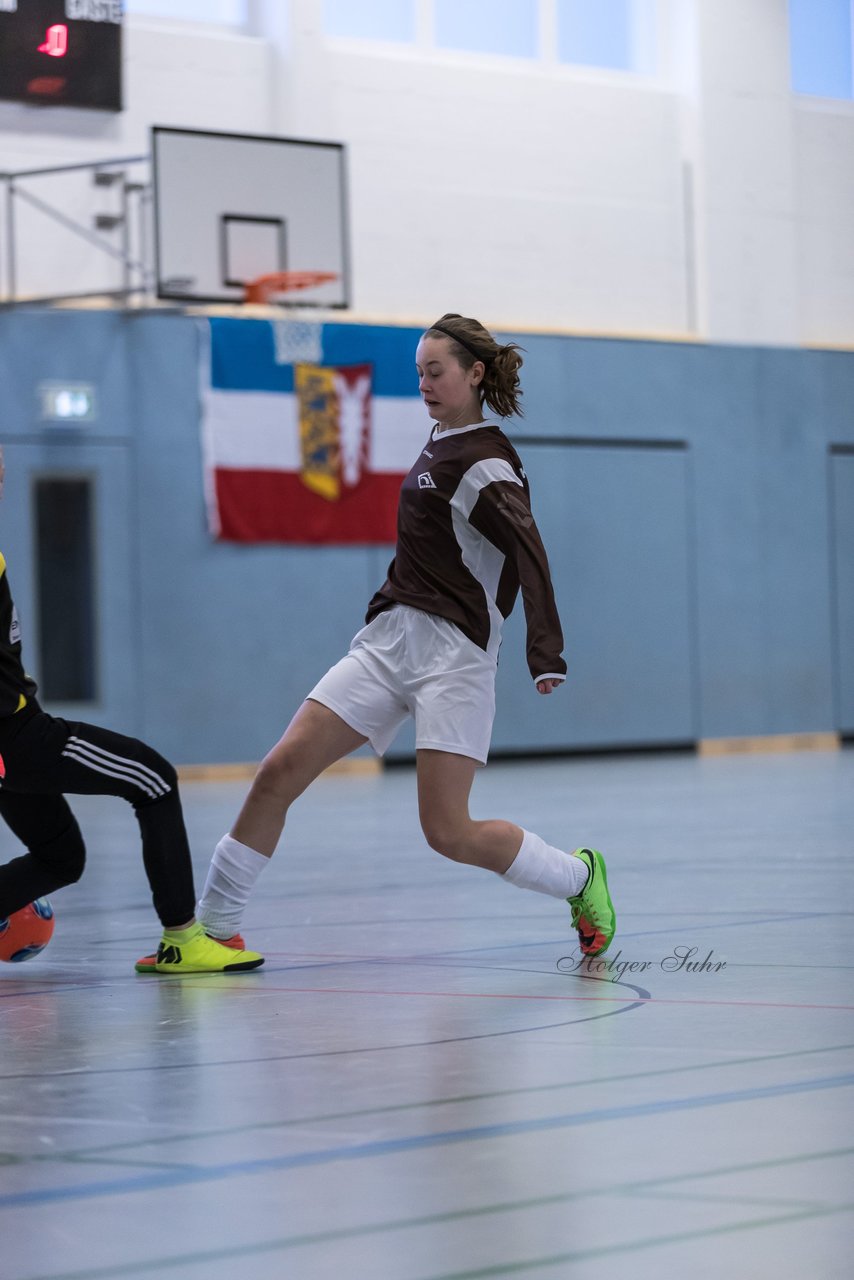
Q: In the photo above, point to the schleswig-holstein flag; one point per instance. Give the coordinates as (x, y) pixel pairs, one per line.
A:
(308, 452)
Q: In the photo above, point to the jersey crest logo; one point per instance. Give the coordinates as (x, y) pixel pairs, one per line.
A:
(426, 481)
(15, 628)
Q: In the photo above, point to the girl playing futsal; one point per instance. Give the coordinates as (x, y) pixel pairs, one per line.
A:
(45, 758)
(466, 543)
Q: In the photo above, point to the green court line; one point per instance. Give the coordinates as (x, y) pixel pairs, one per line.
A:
(633, 1246)
(85, 1157)
(708, 1197)
(202, 1257)
(752, 1166)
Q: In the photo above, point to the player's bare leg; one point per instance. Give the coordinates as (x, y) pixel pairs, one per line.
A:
(314, 740)
(444, 785)
(518, 856)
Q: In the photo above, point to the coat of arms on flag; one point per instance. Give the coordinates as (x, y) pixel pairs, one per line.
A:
(304, 453)
(334, 426)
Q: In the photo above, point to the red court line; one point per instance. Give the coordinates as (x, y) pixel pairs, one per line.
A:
(489, 995)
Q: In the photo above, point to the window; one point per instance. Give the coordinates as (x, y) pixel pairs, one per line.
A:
(614, 34)
(506, 27)
(607, 33)
(231, 13)
(65, 589)
(370, 19)
(820, 47)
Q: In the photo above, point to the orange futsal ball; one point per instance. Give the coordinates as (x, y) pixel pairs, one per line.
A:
(25, 933)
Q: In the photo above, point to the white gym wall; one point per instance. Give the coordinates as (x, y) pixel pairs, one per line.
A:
(707, 199)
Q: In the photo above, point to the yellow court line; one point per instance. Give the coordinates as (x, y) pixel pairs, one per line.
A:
(243, 772)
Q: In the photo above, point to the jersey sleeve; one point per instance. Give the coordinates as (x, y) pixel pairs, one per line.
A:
(502, 513)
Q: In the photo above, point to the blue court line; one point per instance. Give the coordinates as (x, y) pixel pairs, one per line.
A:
(416, 1142)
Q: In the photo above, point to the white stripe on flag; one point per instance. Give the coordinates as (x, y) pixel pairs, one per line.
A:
(251, 430)
(399, 431)
(259, 431)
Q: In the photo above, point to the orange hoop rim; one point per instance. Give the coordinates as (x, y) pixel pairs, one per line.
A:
(263, 288)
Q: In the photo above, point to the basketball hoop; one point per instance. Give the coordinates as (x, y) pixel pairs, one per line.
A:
(266, 288)
(298, 333)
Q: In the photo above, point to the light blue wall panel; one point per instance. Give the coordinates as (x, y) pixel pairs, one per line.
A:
(213, 646)
(108, 469)
(795, 566)
(832, 378)
(45, 346)
(233, 636)
(723, 428)
(591, 387)
(64, 347)
(842, 552)
(615, 522)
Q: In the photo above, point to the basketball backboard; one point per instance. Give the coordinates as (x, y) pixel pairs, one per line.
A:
(229, 208)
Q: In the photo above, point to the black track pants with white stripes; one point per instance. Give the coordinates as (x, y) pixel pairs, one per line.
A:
(46, 759)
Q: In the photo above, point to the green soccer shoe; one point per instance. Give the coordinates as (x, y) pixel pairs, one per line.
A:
(592, 910)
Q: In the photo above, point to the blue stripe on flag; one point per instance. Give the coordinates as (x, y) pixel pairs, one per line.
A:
(390, 350)
(243, 356)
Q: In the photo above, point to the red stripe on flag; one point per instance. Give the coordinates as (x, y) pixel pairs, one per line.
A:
(275, 506)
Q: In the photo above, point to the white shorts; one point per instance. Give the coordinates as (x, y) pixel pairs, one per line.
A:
(407, 662)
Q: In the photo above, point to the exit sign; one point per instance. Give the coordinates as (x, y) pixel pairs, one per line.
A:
(68, 402)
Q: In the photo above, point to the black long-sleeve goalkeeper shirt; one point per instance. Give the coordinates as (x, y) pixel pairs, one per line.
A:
(16, 687)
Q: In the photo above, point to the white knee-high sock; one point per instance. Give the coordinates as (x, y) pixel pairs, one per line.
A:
(231, 878)
(545, 869)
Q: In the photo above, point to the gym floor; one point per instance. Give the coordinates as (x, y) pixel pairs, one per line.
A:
(419, 1084)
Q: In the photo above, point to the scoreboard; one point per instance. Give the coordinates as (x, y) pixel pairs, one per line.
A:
(62, 53)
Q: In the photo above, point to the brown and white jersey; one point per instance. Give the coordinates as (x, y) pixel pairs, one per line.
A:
(467, 541)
